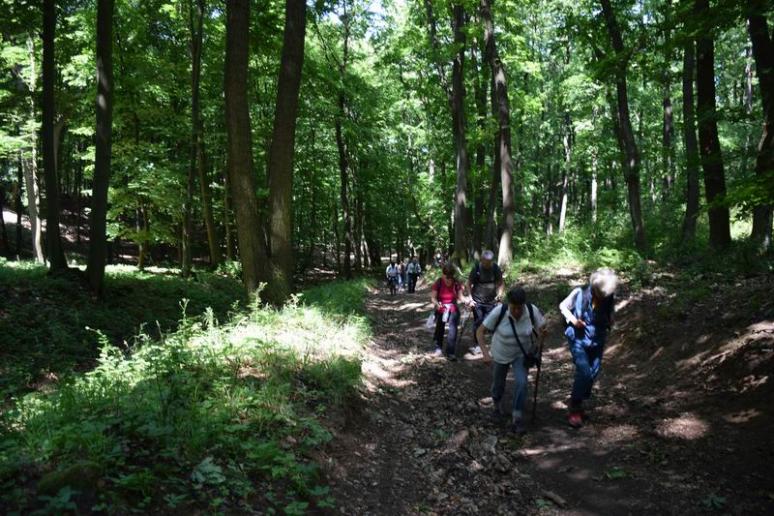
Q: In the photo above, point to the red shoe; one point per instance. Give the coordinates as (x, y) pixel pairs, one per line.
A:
(575, 419)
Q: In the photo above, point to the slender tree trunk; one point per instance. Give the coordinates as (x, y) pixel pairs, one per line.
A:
(30, 164)
(459, 132)
(480, 96)
(18, 205)
(594, 184)
(281, 152)
(341, 145)
(6, 246)
(252, 250)
(691, 145)
(667, 136)
(56, 255)
(567, 143)
(501, 106)
(227, 217)
(763, 52)
(709, 143)
(95, 270)
(626, 140)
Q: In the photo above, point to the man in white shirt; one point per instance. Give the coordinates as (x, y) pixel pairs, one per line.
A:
(516, 329)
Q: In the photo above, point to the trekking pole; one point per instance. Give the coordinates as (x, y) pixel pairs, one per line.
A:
(537, 375)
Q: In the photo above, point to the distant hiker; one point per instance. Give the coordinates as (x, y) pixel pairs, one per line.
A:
(438, 260)
(414, 270)
(392, 274)
(404, 274)
(401, 271)
(516, 328)
(486, 287)
(589, 314)
(446, 295)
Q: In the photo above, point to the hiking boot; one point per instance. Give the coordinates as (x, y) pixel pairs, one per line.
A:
(476, 350)
(518, 427)
(451, 357)
(438, 352)
(575, 418)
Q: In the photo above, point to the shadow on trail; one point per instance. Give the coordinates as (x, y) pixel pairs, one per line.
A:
(425, 441)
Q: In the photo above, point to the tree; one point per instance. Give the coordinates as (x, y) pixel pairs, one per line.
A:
(691, 145)
(709, 143)
(250, 238)
(95, 270)
(763, 53)
(282, 150)
(48, 107)
(626, 141)
(459, 131)
(503, 138)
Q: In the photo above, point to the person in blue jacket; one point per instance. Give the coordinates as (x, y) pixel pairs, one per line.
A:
(589, 314)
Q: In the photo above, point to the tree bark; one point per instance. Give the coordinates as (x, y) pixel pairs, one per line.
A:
(567, 144)
(709, 143)
(252, 250)
(56, 257)
(459, 132)
(481, 112)
(281, 152)
(501, 104)
(626, 141)
(19, 186)
(763, 53)
(95, 270)
(691, 145)
(341, 145)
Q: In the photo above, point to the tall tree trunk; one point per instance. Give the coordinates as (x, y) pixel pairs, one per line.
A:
(667, 134)
(205, 192)
(252, 250)
(691, 145)
(56, 255)
(458, 130)
(567, 144)
(626, 140)
(709, 143)
(227, 218)
(763, 52)
(30, 164)
(18, 187)
(281, 152)
(95, 270)
(6, 246)
(501, 105)
(480, 97)
(341, 145)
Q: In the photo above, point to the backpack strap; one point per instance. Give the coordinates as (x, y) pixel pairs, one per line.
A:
(531, 311)
(501, 315)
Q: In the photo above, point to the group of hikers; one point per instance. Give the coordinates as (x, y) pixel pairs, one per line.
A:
(518, 329)
(403, 275)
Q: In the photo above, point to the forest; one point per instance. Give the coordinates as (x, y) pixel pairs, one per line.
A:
(198, 200)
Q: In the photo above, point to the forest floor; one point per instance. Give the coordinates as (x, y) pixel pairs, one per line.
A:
(681, 419)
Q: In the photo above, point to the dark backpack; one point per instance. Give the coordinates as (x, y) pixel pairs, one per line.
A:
(495, 272)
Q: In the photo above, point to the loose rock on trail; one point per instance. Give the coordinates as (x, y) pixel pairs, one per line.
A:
(421, 441)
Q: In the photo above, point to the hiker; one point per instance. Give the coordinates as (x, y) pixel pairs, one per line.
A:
(446, 296)
(486, 286)
(392, 274)
(516, 327)
(589, 314)
(414, 270)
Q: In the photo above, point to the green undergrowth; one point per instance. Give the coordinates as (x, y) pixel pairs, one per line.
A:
(213, 417)
(47, 323)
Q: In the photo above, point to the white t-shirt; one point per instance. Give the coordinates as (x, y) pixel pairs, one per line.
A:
(504, 348)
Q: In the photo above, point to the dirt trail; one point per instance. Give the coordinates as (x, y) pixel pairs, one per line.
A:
(422, 441)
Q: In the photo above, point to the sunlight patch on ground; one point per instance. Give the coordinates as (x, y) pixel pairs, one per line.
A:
(618, 434)
(688, 427)
(743, 416)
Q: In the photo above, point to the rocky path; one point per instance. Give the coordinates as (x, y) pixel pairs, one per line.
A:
(422, 441)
